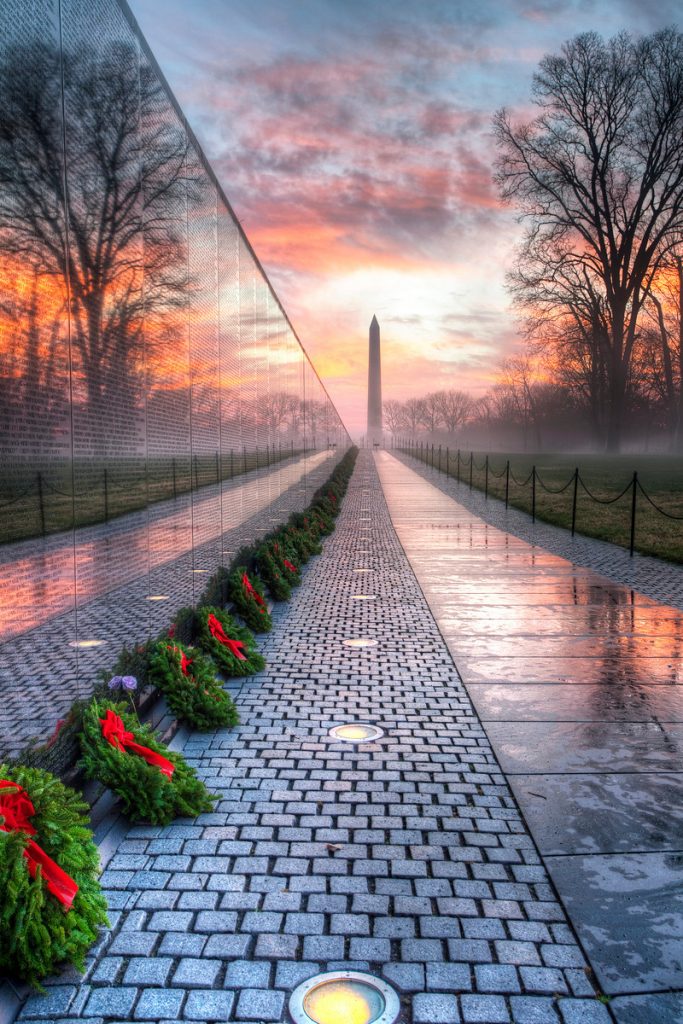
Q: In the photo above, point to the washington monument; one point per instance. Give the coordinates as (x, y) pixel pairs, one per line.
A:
(374, 432)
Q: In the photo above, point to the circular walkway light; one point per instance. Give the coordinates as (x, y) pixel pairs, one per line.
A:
(360, 641)
(344, 997)
(356, 732)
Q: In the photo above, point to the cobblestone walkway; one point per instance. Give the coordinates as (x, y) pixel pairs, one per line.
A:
(653, 577)
(406, 856)
(41, 674)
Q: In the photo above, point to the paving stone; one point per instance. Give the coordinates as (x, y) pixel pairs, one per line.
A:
(157, 1004)
(278, 947)
(324, 947)
(496, 978)
(533, 1010)
(134, 943)
(289, 974)
(205, 1005)
(484, 1010)
(583, 1011)
(543, 979)
(111, 1002)
(405, 977)
(247, 974)
(260, 1005)
(193, 972)
(55, 1003)
(147, 972)
(435, 1009)
(448, 978)
(182, 944)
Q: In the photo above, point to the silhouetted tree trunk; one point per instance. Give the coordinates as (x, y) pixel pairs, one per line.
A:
(598, 176)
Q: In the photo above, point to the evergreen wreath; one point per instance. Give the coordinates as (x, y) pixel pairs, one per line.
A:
(286, 556)
(38, 934)
(327, 506)
(240, 656)
(303, 543)
(146, 792)
(247, 596)
(188, 681)
(323, 519)
(272, 571)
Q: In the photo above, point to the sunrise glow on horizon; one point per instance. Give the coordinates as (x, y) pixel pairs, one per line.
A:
(354, 144)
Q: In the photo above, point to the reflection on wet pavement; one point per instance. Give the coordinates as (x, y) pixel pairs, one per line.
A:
(38, 578)
(577, 681)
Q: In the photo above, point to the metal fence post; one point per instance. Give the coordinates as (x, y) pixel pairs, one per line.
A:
(507, 483)
(232, 463)
(448, 461)
(440, 459)
(457, 466)
(41, 504)
(633, 514)
(175, 487)
(486, 479)
(533, 494)
(574, 499)
(106, 497)
(218, 469)
(471, 465)
(245, 458)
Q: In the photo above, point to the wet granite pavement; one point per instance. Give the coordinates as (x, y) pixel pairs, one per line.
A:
(118, 599)
(577, 681)
(405, 856)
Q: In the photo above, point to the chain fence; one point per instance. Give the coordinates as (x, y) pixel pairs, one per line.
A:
(38, 502)
(462, 467)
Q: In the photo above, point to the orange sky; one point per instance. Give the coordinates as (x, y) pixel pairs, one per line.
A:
(354, 143)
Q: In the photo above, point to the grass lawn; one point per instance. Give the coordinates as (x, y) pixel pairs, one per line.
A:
(605, 476)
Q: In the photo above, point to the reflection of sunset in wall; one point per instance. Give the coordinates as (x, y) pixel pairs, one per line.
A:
(354, 142)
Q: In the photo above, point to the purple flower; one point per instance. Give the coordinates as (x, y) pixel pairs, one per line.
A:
(115, 683)
(129, 682)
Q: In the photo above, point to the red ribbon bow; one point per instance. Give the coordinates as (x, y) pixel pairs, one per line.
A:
(246, 582)
(115, 733)
(235, 647)
(16, 808)
(288, 565)
(185, 663)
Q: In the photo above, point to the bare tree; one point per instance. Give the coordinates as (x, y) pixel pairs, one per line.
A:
(430, 414)
(666, 310)
(598, 177)
(454, 409)
(276, 410)
(412, 410)
(105, 213)
(394, 416)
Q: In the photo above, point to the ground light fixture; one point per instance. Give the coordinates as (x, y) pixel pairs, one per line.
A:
(86, 643)
(363, 597)
(158, 597)
(344, 997)
(360, 641)
(356, 732)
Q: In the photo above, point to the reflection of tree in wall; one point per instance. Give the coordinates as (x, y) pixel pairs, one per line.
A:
(315, 418)
(81, 222)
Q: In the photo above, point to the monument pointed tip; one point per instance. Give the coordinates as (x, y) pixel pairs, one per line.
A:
(374, 320)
